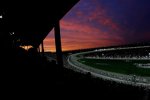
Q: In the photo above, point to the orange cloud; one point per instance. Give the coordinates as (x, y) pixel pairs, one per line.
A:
(79, 36)
(80, 31)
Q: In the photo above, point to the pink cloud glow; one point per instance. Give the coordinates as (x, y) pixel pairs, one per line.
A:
(78, 32)
(79, 36)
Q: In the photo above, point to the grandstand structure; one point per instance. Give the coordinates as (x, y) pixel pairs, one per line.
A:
(25, 23)
(141, 52)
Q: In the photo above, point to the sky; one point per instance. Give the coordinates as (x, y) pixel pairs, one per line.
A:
(99, 23)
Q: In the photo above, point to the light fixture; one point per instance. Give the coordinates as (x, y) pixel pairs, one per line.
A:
(12, 33)
(1, 16)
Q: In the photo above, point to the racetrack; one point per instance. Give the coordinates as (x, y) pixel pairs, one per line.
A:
(73, 60)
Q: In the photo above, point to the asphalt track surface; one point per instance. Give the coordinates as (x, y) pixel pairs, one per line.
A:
(72, 63)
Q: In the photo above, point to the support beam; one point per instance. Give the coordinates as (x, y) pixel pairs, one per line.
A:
(58, 44)
(38, 49)
(42, 46)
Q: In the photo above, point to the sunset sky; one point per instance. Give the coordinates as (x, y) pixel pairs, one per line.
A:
(97, 23)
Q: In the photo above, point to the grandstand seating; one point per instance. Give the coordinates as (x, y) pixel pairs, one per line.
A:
(122, 53)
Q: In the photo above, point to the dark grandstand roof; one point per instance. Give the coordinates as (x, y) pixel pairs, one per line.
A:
(33, 20)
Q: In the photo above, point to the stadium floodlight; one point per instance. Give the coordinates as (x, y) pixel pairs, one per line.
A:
(12, 33)
(1, 16)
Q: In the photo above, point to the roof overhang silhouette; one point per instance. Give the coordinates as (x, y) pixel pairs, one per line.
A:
(32, 21)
